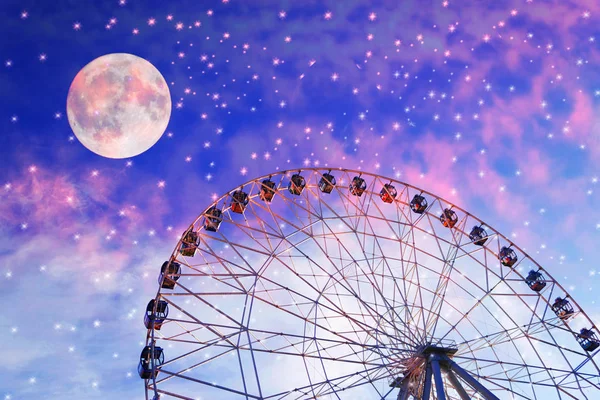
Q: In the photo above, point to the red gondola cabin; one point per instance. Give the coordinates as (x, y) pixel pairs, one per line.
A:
(448, 218)
(297, 184)
(388, 193)
(239, 201)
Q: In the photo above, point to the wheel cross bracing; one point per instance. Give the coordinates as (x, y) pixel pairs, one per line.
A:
(340, 284)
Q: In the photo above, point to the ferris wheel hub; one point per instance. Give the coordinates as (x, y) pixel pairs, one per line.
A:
(442, 347)
(428, 364)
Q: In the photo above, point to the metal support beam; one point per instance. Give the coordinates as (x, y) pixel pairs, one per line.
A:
(403, 395)
(474, 383)
(456, 383)
(427, 385)
(437, 377)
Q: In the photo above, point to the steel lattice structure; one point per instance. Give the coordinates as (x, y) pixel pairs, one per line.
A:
(340, 284)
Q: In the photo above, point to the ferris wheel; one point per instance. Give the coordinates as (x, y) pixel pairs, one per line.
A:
(340, 284)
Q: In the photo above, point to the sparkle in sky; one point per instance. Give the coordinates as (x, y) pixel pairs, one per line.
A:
(492, 105)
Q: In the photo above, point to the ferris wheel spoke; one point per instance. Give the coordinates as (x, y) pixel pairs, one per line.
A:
(444, 278)
(291, 337)
(208, 384)
(410, 318)
(276, 231)
(314, 355)
(408, 243)
(203, 301)
(410, 272)
(418, 293)
(342, 383)
(449, 265)
(337, 282)
(241, 227)
(505, 336)
(479, 302)
(378, 294)
(227, 265)
(489, 345)
(190, 368)
(329, 306)
(193, 320)
(368, 273)
(261, 342)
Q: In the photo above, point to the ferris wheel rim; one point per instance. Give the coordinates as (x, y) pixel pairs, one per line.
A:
(441, 200)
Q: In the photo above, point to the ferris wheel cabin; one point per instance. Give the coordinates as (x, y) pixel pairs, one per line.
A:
(327, 183)
(169, 274)
(212, 219)
(535, 280)
(507, 256)
(297, 184)
(189, 244)
(148, 360)
(267, 190)
(418, 204)
(562, 308)
(448, 218)
(358, 186)
(154, 319)
(588, 340)
(388, 193)
(239, 201)
(478, 235)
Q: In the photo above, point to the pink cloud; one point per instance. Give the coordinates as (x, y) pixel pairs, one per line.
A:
(48, 199)
(582, 118)
(537, 167)
(500, 122)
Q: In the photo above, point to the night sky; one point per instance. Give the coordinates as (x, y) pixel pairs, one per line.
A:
(494, 106)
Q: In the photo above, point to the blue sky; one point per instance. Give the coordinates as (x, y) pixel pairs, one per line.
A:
(493, 107)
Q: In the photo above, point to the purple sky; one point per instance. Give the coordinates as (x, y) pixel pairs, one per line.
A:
(494, 107)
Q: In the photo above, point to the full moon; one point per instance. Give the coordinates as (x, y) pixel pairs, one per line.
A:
(118, 105)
